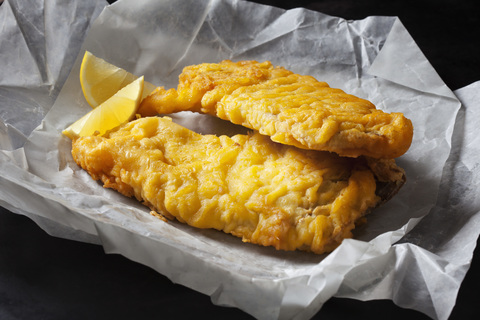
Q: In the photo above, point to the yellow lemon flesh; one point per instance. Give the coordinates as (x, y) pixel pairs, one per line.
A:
(119, 109)
(100, 80)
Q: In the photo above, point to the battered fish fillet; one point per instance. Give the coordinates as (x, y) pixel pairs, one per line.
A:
(292, 109)
(246, 185)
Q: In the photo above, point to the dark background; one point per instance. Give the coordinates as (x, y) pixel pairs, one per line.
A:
(42, 277)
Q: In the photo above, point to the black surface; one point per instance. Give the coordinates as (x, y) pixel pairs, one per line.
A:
(42, 277)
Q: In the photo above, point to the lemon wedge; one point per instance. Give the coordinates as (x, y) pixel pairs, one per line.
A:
(119, 109)
(100, 80)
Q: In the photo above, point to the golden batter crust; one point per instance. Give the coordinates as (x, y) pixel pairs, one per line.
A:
(292, 109)
(246, 185)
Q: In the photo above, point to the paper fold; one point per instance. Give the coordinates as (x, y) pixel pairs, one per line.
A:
(397, 248)
(400, 48)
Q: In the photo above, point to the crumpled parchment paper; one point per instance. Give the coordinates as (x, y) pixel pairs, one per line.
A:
(414, 250)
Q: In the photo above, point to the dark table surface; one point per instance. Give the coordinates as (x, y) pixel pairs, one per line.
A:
(43, 277)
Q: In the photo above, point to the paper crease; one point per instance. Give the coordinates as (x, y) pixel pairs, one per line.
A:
(264, 283)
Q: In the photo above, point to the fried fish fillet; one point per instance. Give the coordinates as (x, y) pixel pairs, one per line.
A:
(246, 185)
(292, 109)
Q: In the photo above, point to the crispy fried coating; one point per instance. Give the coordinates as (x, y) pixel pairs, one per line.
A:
(246, 185)
(292, 109)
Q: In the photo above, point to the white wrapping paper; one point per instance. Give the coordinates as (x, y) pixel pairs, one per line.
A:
(414, 250)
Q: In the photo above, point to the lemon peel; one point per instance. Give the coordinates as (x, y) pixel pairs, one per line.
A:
(117, 110)
(100, 80)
